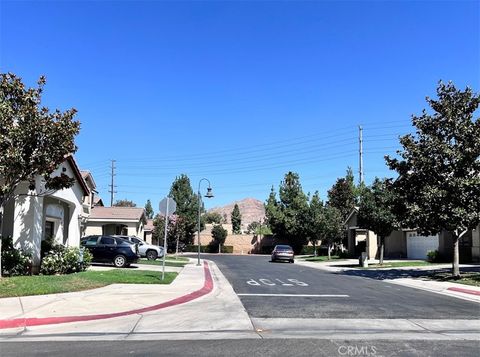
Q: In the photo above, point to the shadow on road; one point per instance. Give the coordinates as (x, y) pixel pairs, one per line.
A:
(443, 274)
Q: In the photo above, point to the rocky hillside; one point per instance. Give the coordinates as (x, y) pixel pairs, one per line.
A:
(251, 210)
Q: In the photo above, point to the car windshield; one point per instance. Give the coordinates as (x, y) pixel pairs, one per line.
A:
(121, 241)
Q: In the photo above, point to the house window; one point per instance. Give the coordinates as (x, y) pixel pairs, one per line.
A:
(49, 229)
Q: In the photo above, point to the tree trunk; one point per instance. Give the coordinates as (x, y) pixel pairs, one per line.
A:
(219, 248)
(1, 237)
(314, 249)
(382, 249)
(329, 250)
(456, 257)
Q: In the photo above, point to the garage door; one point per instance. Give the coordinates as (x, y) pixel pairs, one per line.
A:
(418, 246)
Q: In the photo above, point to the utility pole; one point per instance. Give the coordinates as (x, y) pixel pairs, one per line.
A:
(112, 186)
(360, 151)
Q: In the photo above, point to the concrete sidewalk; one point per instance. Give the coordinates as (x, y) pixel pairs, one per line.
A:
(217, 311)
(461, 291)
(218, 314)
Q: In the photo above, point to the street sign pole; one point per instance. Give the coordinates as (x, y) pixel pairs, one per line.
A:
(167, 207)
(165, 241)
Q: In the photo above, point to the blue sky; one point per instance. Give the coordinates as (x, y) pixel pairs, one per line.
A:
(238, 92)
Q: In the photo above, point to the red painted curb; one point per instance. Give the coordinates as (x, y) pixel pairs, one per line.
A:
(465, 291)
(33, 321)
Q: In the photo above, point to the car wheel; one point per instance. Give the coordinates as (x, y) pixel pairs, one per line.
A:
(152, 255)
(120, 261)
(291, 261)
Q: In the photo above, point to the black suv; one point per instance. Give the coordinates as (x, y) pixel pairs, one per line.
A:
(108, 249)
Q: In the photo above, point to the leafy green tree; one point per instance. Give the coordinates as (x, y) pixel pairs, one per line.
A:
(187, 208)
(124, 203)
(343, 194)
(439, 167)
(258, 228)
(236, 218)
(219, 234)
(213, 217)
(314, 221)
(33, 140)
(332, 228)
(149, 209)
(285, 216)
(377, 211)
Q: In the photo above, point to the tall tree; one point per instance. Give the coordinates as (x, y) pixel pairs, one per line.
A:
(33, 140)
(187, 208)
(149, 209)
(343, 194)
(332, 228)
(124, 203)
(219, 234)
(236, 218)
(314, 221)
(439, 167)
(377, 211)
(285, 216)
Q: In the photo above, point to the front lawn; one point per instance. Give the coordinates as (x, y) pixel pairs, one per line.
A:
(52, 284)
(418, 263)
(467, 278)
(177, 258)
(322, 258)
(169, 262)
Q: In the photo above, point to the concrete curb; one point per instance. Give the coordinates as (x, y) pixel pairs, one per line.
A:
(24, 322)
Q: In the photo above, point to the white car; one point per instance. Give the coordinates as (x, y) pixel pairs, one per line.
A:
(149, 251)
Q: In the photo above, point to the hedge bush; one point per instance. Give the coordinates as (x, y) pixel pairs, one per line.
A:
(209, 248)
(15, 261)
(65, 260)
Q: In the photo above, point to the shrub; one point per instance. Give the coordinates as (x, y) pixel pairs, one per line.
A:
(433, 256)
(63, 260)
(47, 245)
(211, 248)
(14, 261)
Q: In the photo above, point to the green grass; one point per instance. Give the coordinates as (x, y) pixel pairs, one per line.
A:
(467, 278)
(168, 262)
(322, 258)
(399, 264)
(52, 284)
(177, 258)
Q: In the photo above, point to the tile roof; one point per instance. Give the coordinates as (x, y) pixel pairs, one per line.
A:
(117, 213)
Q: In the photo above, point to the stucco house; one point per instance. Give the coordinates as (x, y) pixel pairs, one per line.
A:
(34, 215)
(148, 232)
(407, 243)
(116, 220)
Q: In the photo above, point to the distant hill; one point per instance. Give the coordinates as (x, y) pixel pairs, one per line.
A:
(251, 209)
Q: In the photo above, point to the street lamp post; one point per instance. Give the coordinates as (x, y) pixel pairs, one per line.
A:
(208, 195)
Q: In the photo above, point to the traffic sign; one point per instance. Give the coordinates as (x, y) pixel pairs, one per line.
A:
(167, 206)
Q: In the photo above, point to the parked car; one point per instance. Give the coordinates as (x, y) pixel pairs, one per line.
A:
(283, 252)
(149, 251)
(110, 249)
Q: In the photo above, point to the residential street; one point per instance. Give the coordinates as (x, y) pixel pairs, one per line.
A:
(340, 295)
(249, 307)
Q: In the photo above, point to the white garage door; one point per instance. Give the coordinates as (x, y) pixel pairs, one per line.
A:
(419, 246)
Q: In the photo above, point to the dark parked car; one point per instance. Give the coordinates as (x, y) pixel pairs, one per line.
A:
(108, 249)
(283, 252)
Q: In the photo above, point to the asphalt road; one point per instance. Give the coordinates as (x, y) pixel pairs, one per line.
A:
(294, 347)
(264, 290)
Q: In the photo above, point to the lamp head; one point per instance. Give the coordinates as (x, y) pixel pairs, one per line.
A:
(209, 193)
